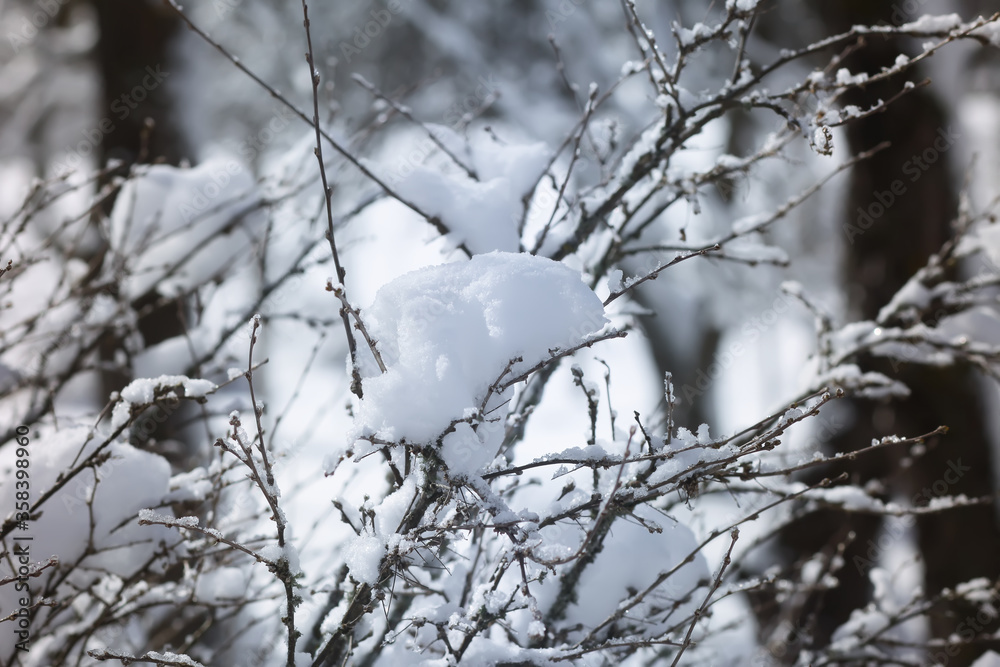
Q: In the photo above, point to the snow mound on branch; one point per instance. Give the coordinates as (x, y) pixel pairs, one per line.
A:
(630, 562)
(446, 333)
(176, 228)
(483, 213)
(88, 523)
(144, 391)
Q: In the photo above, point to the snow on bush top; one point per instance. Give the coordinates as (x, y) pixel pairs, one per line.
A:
(88, 523)
(144, 391)
(178, 227)
(447, 332)
(484, 212)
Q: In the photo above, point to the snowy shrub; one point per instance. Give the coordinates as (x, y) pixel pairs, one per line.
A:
(494, 476)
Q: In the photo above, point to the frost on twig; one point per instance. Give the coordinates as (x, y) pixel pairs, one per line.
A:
(928, 321)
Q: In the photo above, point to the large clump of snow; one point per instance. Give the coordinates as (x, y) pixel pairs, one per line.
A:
(446, 334)
(605, 582)
(177, 228)
(88, 524)
(484, 212)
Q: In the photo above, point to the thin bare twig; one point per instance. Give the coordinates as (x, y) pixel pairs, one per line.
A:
(337, 146)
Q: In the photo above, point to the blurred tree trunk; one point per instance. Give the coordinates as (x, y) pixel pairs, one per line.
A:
(956, 545)
(134, 62)
(133, 55)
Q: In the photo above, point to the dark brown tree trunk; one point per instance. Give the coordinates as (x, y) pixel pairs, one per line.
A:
(902, 202)
(133, 55)
(134, 62)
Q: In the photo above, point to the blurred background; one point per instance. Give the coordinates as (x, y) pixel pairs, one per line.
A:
(92, 84)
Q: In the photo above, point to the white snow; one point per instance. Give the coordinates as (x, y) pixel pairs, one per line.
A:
(988, 659)
(169, 225)
(447, 332)
(173, 658)
(481, 214)
(363, 556)
(990, 31)
(629, 563)
(871, 384)
(91, 521)
(144, 390)
(928, 23)
(153, 516)
(477, 214)
(690, 36)
(364, 553)
(464, 451)
(845, 78)
(913, 294)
